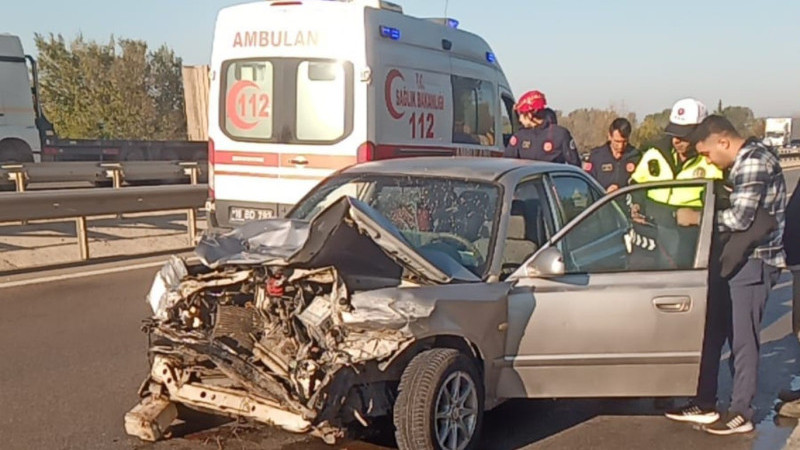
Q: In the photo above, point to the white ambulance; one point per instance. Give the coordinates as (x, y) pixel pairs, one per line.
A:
(301, 89)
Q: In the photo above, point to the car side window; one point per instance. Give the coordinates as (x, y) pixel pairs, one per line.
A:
(529, 224)
(573, 195)
(610, 240)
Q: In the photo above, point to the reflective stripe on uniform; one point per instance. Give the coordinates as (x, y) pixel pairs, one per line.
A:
(698, 168)
(654, 159)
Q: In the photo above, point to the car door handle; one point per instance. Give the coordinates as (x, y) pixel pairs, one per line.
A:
(672, 304)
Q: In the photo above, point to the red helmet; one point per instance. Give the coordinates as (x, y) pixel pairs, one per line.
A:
(531, 101)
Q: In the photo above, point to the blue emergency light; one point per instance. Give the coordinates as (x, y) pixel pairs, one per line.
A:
(490, 57)
(390, 33)
(452, 23)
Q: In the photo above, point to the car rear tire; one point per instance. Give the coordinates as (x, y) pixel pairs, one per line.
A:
(440, 402)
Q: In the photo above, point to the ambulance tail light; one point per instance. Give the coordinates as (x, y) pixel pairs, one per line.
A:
(211, 159)
(366, 152)
(390, 33)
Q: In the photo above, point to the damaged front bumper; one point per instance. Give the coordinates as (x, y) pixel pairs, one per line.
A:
(169, 384)
(287, 350)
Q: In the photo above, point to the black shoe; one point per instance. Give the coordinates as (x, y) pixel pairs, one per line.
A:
(788, 396)
(693, 413)
(730, 423)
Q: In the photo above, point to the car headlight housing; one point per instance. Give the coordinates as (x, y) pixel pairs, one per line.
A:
(165, 286)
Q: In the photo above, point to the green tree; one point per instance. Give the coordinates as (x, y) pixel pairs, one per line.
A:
(589, 127)
(115, 90)
(167, 91)
(651, 128)
(744, 120)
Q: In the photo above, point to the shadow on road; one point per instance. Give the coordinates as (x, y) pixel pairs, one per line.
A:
(519, 423)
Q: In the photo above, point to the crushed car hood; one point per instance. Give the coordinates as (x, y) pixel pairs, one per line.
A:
(350, 235)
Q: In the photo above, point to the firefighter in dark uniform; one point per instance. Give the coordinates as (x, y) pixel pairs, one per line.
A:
(540, 139)
(613, 163)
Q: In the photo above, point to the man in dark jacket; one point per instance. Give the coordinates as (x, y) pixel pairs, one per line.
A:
(613, 163)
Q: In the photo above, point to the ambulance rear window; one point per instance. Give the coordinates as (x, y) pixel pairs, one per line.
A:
(320, 101)
(248, 100)
(287, 100)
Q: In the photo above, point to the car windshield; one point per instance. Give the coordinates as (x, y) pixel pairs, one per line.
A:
(434, 214)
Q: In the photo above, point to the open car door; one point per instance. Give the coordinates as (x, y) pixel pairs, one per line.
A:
(603, 311)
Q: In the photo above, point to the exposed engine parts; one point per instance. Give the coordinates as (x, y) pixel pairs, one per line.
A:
(270, 334)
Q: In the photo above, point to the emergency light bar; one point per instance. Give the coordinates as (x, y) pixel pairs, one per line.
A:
(490, 57)
(390, 33)
(446, 21)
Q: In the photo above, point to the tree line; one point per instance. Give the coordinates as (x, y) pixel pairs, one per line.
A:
(123, 90)
(117, 90)
(589, 126)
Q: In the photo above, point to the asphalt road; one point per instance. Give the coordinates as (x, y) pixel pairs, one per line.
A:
(72, 358)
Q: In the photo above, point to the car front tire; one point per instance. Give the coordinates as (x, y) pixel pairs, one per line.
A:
(440, 402)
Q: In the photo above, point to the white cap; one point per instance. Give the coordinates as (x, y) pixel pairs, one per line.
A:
(686, 114)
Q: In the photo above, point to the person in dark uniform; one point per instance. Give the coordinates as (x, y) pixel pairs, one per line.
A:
(613, 163)
(540, 139)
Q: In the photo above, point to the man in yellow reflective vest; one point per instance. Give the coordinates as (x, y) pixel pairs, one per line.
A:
(672, 158)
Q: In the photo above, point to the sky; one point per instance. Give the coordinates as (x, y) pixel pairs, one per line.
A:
(631, 55)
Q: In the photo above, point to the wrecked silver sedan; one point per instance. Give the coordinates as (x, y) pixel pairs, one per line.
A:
(427, 290)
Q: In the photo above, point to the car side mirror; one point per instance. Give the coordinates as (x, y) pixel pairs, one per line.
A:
(549, 263)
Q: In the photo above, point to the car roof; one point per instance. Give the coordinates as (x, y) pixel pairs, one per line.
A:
(486, 169)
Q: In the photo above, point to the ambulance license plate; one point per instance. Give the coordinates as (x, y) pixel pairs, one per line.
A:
(247, 214)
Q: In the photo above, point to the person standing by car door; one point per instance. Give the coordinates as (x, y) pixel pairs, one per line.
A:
(540, 139)
(613, 163)
(758, 188)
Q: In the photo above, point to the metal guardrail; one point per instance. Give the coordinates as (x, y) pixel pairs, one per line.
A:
(19, 175)
(22, 206)
(83, 203)
(789, 154)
